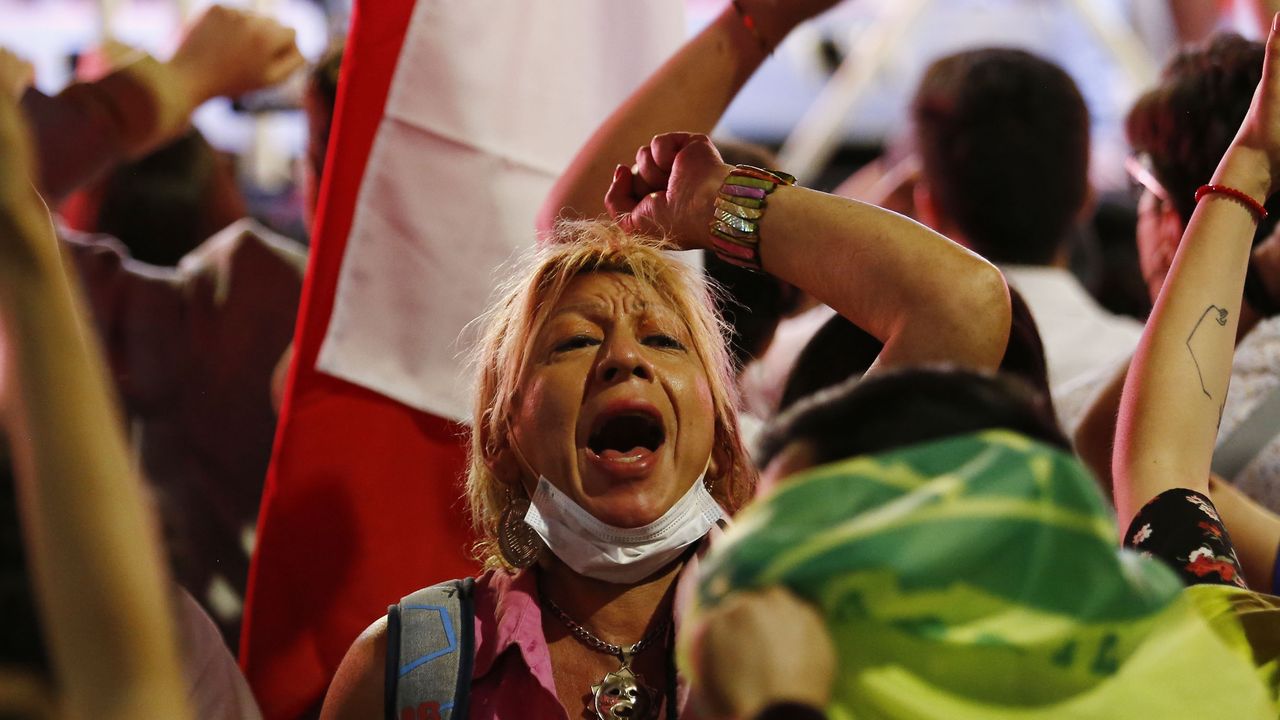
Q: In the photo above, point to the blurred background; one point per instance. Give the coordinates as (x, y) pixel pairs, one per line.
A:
(827, 117)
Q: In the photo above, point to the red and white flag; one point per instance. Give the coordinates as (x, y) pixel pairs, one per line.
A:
(453, 119)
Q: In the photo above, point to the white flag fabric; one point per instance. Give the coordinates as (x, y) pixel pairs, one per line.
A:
(489, 102)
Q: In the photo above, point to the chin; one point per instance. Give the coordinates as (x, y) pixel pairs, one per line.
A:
(629, 507)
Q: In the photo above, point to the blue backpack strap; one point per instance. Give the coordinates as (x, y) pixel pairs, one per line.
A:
(430, 653)
(391, 677)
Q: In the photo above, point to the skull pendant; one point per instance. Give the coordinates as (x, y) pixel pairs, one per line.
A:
(621, 695)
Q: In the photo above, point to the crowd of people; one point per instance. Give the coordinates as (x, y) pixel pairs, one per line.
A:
(881, 456)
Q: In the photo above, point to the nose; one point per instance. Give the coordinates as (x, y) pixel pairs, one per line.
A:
(622, 359)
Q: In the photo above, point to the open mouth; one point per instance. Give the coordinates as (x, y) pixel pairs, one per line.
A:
(626, 437)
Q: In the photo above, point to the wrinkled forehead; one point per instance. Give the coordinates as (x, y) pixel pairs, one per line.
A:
(612, 294)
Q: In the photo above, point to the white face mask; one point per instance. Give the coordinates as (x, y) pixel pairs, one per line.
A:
(598, 550)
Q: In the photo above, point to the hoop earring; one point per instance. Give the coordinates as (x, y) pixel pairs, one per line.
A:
(518, 543)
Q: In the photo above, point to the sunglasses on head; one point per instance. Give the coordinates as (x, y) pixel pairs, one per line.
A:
(1138, 165)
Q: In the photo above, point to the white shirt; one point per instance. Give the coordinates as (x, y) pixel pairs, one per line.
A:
(1255, 374)
(1084, 344)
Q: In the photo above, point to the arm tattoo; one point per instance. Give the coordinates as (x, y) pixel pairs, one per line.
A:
(1220, 317)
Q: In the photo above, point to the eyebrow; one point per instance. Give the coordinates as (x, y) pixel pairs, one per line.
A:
(649, 312)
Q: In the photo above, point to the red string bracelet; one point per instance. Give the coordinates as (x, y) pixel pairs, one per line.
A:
(1259, 212)
(750, 24)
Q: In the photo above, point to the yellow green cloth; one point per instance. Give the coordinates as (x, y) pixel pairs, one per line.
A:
(979, 577)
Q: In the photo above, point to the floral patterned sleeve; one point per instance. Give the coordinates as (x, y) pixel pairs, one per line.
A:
(1182, 528)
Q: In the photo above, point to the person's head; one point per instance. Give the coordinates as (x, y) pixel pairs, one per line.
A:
(319, 100)
(1003, 138)
(1184, 124)
(900, 408)
(603, 369)
(165, 204)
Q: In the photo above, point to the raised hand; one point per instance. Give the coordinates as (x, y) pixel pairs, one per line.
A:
(759, 648)
(776, 18)
(671, 190)
(1260, 130)
(231, 52)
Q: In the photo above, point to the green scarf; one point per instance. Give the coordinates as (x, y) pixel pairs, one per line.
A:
(979, 577)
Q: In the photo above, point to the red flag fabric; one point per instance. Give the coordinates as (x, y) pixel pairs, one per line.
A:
(452, 122)
(354, 473)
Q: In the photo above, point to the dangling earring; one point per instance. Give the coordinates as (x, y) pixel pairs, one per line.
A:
(519, 544)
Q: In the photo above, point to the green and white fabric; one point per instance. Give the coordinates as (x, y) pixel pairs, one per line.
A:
(979, 577)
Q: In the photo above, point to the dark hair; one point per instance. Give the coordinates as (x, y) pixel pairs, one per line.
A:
(841, 350)
(165, 204)
(1186, 122)
(906, 407)
(321, 97)
(751, 303)
(1004, 144)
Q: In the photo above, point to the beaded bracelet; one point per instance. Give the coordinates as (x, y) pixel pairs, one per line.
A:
(740, 206)
(1259, 212)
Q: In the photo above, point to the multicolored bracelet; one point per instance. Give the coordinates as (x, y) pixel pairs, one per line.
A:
(740, 207)
(1259, 212)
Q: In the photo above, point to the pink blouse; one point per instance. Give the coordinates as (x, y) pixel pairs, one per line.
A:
(512, 676)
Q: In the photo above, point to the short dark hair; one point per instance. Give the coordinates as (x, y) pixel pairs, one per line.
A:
(1186, 122)
(751, 303)
(906, 407)
(841, 350)
(1004, 144)
(319, 103)
(163, 205)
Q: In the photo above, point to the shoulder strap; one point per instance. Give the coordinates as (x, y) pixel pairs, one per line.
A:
(1259, 428)
(430, 638)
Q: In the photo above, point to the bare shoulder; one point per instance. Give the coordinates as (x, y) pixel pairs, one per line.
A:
(357, 689)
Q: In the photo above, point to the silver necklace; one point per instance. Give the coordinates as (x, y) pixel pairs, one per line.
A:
(621, 694)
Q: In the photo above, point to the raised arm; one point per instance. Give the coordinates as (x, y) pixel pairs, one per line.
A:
(91, 126)
(688, 93)
(93, 553)
(1177, 383)
(926, 298)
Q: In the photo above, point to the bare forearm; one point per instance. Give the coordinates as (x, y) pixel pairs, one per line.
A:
(93, 553)
(90, 127)
(688, 93)
(925, 297)
(1173, 398)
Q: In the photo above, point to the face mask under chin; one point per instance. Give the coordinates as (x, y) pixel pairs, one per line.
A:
(595, 549)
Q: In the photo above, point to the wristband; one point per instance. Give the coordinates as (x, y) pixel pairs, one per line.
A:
(1259, 212)
(739, 210)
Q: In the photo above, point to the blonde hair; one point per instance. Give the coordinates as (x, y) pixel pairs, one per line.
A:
(511, 324)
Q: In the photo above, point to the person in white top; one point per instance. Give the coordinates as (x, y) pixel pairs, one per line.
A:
(1003, 140)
